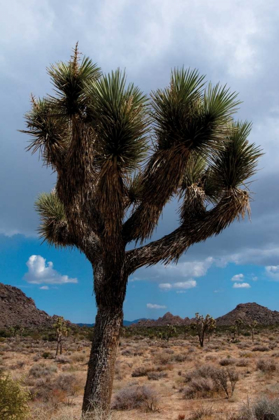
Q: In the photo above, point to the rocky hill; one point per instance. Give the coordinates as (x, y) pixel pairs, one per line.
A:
(167, 319)
(17, 309)
(248, 312)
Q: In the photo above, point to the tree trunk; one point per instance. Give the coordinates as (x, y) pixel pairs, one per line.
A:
(98, 388)
(57, 348)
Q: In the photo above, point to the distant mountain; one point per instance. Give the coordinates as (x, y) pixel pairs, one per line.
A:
(250, 312)
(246, 311)
(16, 309)
(167, 319)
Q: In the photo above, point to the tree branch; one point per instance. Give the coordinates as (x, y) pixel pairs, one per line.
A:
(160, 181)
(234, 203)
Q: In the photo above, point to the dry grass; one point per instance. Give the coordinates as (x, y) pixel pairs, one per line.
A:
(154, 379)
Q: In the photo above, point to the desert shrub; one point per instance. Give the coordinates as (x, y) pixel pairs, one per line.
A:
(78, 357)
(163, 358)
(127, 352)
(180, 358)
(242, 362)
(227, 361)
(262, 409)
(200, 413)
(141, 371)
(206, 380)
(246, 354)
(210, 358)
(141, 397)
(13, 400)
(5, 333)
(205, 371)
(54, 392)
(266, 365)
(200, 388)
(272, 346)
(46, 355)
(66, 382)
(260, 348)
(138, 353)
(62, 359)
(42, 389)
(155, 376)
(40, 369)
(227, 380)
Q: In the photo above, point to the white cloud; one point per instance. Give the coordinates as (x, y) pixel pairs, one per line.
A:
(189, 284)
(40, 272)
(165, 286)
(44, 288)
(272, 271)
(185, 269)
(155, 306)
(258, 256)
(241, 286)
(237, 277)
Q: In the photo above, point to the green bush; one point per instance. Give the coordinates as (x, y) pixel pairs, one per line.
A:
(46, 355)
(5, 333)
(13, 400)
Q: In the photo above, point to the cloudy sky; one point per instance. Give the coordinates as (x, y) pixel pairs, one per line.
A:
(233, 42)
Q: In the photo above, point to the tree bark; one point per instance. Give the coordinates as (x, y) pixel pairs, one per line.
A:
(98, 388)
(109, 320)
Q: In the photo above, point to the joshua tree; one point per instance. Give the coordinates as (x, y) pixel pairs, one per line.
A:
(233, 331)
(238, 324)
(167, 332)
(61, 330)
(253, 325)
(203, 326)
(120, 158)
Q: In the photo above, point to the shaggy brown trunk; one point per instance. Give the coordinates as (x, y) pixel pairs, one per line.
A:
(59, 346)
(109, 319)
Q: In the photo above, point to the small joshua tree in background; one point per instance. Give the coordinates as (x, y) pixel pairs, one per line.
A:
(61, 330)
(168, 333)
(233, 331)
(203, 326)
(253, 325)
(238, 324)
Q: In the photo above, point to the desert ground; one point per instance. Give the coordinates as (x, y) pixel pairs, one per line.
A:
(154, 378)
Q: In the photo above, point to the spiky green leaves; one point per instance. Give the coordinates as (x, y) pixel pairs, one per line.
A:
(54, 226)
(118, 114)
(237, 161)
(195, 171)
(191, 116)
(49, 132)
(174, 106)
(69, 80)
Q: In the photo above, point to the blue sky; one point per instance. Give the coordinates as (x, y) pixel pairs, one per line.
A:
(231, 42)
(204, 286)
